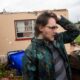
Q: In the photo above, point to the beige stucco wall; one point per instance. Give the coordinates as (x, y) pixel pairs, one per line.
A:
(7, 30)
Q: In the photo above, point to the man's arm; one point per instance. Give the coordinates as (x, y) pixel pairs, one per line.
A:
(28, 66)
(71, 31)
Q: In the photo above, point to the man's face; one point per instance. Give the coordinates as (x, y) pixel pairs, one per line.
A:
(49, 31)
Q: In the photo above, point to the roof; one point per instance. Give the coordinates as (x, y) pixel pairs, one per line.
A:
(33, 12)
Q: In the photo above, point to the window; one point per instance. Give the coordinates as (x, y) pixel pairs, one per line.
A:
(24, 29)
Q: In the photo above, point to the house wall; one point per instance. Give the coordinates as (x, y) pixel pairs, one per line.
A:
(7, 30)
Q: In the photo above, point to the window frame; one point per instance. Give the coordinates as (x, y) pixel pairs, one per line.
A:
(23, 38)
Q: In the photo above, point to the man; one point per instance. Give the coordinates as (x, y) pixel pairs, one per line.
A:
(46, 57)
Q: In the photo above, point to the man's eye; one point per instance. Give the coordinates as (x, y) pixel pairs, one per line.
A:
(52, 27)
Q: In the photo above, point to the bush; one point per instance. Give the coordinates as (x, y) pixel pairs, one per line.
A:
(8, 73)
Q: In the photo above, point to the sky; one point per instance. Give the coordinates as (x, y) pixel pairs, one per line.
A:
(73, 6)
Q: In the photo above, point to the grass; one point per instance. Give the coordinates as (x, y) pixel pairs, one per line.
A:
(77, 40)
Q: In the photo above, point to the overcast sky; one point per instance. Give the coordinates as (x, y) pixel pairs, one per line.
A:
(33, 5)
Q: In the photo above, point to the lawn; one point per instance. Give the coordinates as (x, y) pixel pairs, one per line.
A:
(78, 39)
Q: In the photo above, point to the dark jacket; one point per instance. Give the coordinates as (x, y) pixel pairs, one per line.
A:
(38, 61)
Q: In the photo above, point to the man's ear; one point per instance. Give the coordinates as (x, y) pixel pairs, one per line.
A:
(41, 29)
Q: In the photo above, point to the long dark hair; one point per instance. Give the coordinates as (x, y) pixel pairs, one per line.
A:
(42, 20)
